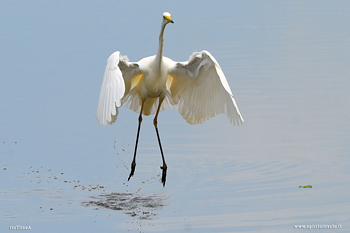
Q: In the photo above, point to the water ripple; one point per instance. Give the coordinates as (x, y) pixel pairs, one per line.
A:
(132, 204)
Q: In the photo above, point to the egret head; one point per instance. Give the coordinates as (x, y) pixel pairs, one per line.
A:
(167, 18)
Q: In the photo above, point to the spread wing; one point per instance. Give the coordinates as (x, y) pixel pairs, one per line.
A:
(200, 90)
(116, 82)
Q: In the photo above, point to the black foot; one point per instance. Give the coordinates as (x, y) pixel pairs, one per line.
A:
(164, 168)
(133, 165)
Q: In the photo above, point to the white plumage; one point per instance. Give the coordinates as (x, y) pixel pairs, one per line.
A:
(197, 88)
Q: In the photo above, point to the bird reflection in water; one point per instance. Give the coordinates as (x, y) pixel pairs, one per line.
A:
(132, 204)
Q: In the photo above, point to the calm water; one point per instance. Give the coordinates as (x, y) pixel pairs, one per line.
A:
(288, 67)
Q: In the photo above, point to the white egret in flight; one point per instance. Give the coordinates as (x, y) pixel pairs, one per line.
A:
(197, 88)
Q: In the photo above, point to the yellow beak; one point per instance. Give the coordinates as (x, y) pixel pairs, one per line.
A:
(168, 18)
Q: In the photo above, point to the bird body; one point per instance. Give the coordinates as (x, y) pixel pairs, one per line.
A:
(197, 88)
(155, 77)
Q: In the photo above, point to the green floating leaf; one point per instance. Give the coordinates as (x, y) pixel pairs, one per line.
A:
(305, 186)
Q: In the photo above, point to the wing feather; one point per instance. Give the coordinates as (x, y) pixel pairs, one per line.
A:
(116, 82)
(201, 91)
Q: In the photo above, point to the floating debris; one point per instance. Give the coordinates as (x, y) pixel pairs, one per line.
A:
(305, 186)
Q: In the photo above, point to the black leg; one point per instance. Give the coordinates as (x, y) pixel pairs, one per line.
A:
(164, 167)
(133, 164)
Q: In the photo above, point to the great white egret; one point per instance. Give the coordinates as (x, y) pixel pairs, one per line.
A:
(197, 88)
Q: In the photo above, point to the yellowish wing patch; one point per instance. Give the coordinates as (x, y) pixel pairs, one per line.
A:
(135, 80)
(169, 82)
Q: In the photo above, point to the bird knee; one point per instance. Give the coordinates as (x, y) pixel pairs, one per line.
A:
(140, 119)
(155, 122)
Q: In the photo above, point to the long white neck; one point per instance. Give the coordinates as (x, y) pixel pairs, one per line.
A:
(159, 56)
